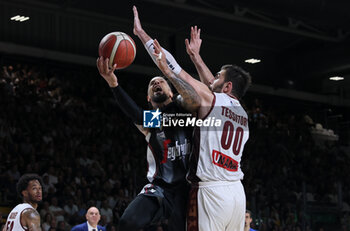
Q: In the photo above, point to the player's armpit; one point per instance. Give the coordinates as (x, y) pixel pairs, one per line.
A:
(202, 90)
(192, 108)
(31, 219)
(143, 130)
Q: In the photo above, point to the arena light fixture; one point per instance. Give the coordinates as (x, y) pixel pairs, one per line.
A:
(19, 18)
(336, 78)
(252, 61)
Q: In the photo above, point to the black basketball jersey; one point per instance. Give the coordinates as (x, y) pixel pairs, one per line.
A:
(168, 150)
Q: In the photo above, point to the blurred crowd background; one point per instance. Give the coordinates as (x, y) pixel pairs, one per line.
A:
(61, 122)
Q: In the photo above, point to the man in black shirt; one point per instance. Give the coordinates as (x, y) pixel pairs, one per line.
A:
(165, 197)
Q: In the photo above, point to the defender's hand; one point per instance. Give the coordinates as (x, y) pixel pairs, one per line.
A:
(194, 45)
(137, 24)
(161, 58)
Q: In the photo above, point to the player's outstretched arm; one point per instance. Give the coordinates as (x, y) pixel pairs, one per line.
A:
(189, 99)
(124, 101)
(138, 30)
(202, 90)
(30, 218)
(205, 94)
(147, 41)
(149, 45)
(192, 48)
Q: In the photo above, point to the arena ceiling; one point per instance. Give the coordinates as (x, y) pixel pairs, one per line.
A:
(301, 43)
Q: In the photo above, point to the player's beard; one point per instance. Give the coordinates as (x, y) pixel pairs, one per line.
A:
(159, 98)
(33, 200)
(218, 88)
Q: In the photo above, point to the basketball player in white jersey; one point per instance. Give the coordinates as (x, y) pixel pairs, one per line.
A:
(217, 200)
(24, 216)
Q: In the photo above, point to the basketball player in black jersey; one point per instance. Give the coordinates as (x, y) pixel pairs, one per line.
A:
(165, 197)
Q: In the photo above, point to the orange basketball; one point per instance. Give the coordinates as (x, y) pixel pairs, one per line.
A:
(119, 48)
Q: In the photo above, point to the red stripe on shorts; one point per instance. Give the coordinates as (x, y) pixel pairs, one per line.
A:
(192, 210)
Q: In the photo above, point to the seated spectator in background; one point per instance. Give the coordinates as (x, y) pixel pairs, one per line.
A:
(61, 226)
(248, 221)
(52, 175)
(71, 210)
(82, 209)
(53, 223)
(56, 210)
(13, 173)
(84, 160)
(45, 209)
(93, 217)
(47, 185)
(103, 221)
(111, 227)
(47, 222)
(106, 211)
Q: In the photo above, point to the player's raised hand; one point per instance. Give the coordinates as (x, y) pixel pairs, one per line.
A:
(106, 72)
(161, 58)
(137, 24)
(193, 45)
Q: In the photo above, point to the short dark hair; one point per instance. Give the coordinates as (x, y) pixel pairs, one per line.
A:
(250, 213)
(241, 80)
(171, 86)
(23, 182)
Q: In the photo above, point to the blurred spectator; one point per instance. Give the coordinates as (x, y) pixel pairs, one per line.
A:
(93, 217)
(13, 173)
(61, 226)
(106, 211)
(71, 210)
(47, 185)
(248, 221)
(111, 227)
(56, 210)
(47, 222)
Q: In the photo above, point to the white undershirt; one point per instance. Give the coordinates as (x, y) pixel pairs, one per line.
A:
(90, 228)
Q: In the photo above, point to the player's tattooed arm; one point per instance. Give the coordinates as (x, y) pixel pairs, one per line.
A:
(189, 98)
(31, 219)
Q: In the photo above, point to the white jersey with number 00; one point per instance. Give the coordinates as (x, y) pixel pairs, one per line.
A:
(218, 149)
(13, 222)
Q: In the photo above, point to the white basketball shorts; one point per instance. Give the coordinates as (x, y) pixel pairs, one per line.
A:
(216, 206)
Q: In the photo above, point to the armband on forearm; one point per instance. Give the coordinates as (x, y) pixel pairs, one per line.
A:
(172, 64)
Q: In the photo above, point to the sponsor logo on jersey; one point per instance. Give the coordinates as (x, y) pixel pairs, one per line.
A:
(224, 161)
(179, 151)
